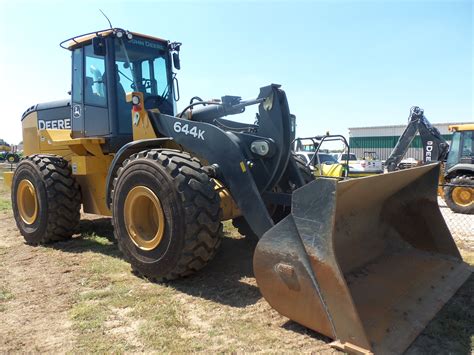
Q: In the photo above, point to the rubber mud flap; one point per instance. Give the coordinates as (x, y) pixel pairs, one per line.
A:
(367, 261)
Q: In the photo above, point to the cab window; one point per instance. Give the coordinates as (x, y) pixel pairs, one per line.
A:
(94, 83)
(467, 144)
(154, 77)
(453, 155)
(77, 75)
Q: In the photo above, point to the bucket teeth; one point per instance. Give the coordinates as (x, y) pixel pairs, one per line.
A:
(367, 262)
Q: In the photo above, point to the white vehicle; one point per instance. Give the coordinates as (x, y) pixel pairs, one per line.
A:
(360, 167)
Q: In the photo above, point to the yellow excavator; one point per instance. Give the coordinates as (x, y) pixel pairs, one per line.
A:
(367, 262)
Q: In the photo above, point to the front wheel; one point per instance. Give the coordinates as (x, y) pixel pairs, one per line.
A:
(166, 214)
(460, 198)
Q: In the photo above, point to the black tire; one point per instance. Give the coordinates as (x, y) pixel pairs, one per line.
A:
(448, 195)
(191, 207)
(58, 199)
(12, 158)
(280, 212)
(304, 169)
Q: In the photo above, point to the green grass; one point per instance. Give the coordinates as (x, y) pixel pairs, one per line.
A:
(101, 281)
(121, 300)
(230, 231)
(5, 296)
(5, 205)
(119, 312)
(115, 298)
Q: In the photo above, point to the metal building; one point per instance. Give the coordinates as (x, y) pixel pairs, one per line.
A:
(382, 139)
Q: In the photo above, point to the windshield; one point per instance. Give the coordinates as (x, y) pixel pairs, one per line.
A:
(326, 159)
(351, 157)
(143, 65)
(455, 153)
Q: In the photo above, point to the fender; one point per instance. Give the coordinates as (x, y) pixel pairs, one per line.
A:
(123, 153)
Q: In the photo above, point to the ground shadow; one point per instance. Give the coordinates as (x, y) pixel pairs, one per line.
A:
(85, 240)
(301, 329)
(220, 281)
(228, 279)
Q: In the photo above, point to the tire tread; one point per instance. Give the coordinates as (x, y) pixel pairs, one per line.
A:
(201, 207)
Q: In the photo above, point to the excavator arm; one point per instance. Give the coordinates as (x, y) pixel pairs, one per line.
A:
(435, 147)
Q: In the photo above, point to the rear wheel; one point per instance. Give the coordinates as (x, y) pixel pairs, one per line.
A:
(460, 199)
(45, 199)
(166, 214)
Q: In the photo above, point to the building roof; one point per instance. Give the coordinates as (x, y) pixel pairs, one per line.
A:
(396, 130)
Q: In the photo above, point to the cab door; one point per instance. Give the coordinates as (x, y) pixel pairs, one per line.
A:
(77, 110)
(89, 94)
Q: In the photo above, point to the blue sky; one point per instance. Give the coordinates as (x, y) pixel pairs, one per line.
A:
(342, 63)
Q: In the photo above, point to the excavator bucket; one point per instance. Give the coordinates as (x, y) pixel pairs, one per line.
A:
(367, 262)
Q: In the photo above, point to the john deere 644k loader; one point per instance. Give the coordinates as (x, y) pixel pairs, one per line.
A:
(367, 262)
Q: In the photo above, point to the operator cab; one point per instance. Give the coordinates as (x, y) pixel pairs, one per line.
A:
(106, 66)
(462, 147)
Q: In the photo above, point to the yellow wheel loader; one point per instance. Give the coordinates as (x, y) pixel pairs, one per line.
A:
(367, 262)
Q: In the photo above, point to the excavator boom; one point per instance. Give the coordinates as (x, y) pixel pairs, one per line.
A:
(435, 147)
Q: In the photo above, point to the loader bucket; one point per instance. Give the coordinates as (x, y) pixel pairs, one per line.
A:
(367, 262)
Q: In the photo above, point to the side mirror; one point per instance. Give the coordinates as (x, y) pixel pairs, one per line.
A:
(98, 43)
(176, 62)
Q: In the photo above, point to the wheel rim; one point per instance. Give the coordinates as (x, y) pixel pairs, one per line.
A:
(11, 159)
(463, 196)
(144, 218)
(27, 202)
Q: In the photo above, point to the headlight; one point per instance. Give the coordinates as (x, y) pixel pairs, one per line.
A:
(135, 100)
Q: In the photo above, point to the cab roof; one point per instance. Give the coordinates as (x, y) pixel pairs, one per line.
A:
(77, 41)
(462, 127)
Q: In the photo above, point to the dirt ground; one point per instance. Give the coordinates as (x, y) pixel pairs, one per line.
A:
(80, 295)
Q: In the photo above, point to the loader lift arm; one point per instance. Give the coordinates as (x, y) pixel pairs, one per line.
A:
(250, 164)
(435, 147)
